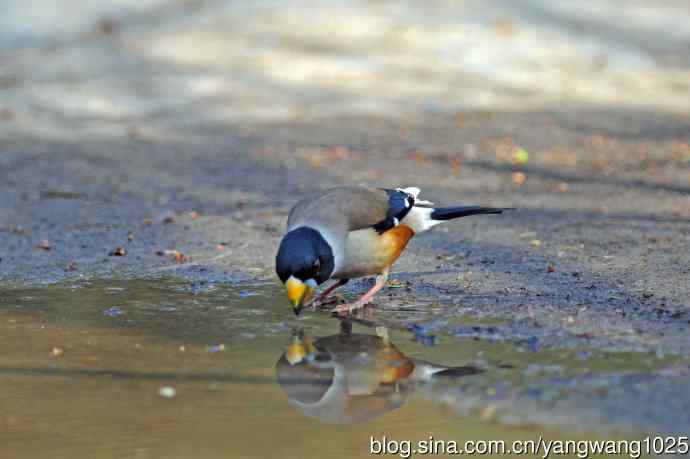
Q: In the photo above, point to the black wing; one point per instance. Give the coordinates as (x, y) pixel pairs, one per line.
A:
(399, 204)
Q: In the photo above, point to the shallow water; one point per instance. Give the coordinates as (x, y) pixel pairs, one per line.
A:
(149, 369)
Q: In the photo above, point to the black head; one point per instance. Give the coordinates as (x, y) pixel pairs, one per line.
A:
(304, 258)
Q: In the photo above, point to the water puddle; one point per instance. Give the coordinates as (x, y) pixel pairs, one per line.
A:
(155, 369)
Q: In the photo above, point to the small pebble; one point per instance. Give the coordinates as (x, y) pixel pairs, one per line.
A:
(216, 348)
(71, 267)
(426, 340)
(167, 392)
(583, 355)
(532, 344)
(56, 352)
(113, 312)
(489, 412)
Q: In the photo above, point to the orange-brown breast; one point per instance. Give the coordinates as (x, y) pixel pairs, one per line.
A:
(368, 252)
(394, 242)
(395, 366)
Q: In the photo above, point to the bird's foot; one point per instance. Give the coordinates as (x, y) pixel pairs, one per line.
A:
(320, 302)
(349, 308)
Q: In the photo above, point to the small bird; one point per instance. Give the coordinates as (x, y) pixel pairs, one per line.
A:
(350, 378)
(353, 231)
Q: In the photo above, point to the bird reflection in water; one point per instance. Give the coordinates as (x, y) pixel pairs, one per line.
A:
(350, 378)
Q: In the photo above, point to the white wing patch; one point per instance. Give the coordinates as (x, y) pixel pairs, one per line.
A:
(414, 191)
(419, 219)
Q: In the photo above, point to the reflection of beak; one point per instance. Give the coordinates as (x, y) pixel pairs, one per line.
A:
(299, 292)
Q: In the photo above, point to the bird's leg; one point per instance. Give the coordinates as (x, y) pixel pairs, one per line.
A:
(319, 300)
(345, 327)
(366, 298)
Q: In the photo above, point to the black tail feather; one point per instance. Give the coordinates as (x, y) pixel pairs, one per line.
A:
(449, 213)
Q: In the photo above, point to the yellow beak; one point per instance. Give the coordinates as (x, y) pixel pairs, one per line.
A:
(299, 292)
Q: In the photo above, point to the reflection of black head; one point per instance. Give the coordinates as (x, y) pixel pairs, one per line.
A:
(345, 379)
(303, 382)
(304, 254)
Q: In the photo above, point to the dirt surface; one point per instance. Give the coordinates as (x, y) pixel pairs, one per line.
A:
(604, 206)
(596, 256)
(606, 214)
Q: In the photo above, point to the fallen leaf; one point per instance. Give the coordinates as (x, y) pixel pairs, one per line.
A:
(117, 252)
(551, 269)
(416, 155)
(177, 255)
(519, 178)
(520, 156)
(107, 26)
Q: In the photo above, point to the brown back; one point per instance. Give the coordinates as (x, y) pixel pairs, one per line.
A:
(346, 208)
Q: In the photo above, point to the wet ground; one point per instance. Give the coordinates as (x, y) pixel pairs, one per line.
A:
(150, 369)
(166, 141)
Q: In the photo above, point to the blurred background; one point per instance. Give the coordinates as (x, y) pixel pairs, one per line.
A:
(154, 60)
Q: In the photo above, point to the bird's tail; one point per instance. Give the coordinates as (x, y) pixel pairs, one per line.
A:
(423, 218)
(449, 213)
(425, 371)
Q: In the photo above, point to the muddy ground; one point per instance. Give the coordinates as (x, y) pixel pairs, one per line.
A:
(595, 256)
(595, 251)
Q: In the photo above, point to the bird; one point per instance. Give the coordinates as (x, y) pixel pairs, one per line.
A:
(349, 378)
(349, 232)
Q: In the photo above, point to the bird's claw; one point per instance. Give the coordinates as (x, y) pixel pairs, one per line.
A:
(317, 303)
(348, 308)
